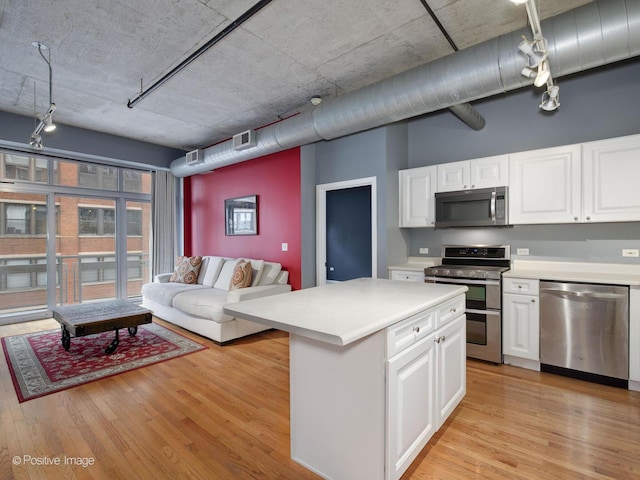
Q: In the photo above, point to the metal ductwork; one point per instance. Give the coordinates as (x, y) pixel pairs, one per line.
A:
(595, 34)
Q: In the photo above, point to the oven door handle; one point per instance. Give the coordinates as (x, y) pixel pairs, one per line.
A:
(461, 281)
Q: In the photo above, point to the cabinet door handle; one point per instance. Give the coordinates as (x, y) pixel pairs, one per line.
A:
(453, 310)
(575, 218)
(533, 300)
(416, 329)
(443, 338)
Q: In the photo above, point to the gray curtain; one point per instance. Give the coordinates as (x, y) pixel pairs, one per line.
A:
(165, 222)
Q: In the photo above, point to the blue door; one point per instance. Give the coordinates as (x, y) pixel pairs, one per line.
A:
(348, 233)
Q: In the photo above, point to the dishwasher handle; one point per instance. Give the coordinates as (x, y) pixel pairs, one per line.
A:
(583, 294)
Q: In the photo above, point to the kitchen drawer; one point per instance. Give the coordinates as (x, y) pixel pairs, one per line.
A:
(524, 286)
(407, 332)
(450, 310)
(407, 276)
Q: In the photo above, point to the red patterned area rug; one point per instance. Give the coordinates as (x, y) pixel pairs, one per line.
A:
(39, 365)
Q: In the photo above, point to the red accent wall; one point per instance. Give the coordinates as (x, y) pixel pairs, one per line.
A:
(276, 180)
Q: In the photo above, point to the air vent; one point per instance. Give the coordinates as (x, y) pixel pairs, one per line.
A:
(195, 157)
(244, 140)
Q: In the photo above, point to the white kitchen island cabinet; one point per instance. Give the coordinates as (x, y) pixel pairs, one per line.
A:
(376, 366)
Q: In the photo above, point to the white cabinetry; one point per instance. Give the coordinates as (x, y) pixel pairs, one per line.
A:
(407, 275)
(611, 170)
(426, 382)
(471, 174)
(521, 321)
(366, 409)
(546, 186)
(634, 338)
(417, 188)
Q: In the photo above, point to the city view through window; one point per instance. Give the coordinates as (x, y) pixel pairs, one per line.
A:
(70, 232)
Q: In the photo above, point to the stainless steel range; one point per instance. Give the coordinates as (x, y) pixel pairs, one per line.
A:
(480, 268)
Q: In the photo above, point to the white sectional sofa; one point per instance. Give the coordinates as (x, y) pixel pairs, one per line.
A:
(198, 307)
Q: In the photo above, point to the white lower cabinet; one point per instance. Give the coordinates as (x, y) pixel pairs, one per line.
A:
(425, 384)
(365, 410)
(411, 417)
(520, 319)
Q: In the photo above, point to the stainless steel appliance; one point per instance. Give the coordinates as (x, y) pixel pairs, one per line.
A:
(480, 268)
(484, 207)
(584, 331)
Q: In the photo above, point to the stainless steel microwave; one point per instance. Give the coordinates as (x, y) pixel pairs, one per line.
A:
(484, 207)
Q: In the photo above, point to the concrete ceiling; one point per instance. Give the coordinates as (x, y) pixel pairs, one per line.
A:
(265, 70)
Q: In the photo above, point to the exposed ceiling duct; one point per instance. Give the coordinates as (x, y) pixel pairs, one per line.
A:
(596, 34)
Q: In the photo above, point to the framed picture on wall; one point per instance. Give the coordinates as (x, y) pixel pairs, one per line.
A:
(241, 215)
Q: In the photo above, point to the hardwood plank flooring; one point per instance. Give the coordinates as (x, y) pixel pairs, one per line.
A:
(223, 413)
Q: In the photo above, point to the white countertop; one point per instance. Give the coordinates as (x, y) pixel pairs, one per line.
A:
(610, 273)
(417, 264)
(341, 313)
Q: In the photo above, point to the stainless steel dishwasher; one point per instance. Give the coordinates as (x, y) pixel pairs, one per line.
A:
(584, 331)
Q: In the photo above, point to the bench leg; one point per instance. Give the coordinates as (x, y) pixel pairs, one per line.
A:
(66, 338)
(112, 347)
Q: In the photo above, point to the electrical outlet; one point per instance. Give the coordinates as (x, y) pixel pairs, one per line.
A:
(285, 247)
(424, 250)
(522, 251)
(630, 252)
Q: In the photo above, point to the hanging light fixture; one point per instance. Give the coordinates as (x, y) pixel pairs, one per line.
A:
(46, 121)
(550, 98)
(537, 67)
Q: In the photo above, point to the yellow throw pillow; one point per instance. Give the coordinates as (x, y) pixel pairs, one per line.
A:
(241, 276)
(187, 270)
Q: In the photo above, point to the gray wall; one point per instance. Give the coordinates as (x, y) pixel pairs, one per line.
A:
(601, 103)
(17, 129)
(379, 153)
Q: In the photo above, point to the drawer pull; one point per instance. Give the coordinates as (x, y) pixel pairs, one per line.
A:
(453, 310)
(416, 329)
(440, 339)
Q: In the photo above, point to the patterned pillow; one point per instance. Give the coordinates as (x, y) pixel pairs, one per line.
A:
(241, 276)
(187, 270)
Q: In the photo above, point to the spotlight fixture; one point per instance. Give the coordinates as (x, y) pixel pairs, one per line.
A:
(316, 100)
(46, 121)
(550, 98)
(537, 67)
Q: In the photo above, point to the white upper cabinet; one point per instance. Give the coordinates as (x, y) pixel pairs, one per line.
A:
(611, 172)
(417, 201)
(471, 174)
(546, 186)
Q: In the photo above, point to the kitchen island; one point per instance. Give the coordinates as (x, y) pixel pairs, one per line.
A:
(376, 366)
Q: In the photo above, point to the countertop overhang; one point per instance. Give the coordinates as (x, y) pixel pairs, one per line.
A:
(342, 313)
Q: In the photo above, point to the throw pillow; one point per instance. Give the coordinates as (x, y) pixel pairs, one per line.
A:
(187, 270)
(241, 276)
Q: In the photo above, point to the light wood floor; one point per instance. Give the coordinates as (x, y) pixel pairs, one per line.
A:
(223, 413)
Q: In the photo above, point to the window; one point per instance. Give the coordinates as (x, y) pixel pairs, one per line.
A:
(134, 222)
(23, 273)
(97, 269)
(96, 221)
(97, 176)
(22, 219)
(27, 169)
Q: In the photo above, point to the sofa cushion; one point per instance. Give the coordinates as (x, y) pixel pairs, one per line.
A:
(214, 265)
(226, 274)
(164, 293)
(257, 266)
(187, 269)
(241, 275)
(205, 303)
(270, 273)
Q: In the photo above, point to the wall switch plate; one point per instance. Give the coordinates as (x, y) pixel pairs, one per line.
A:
(424, 250)
(522, 251)
(630, 252)
(285, 247)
